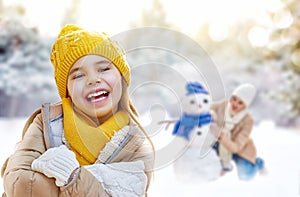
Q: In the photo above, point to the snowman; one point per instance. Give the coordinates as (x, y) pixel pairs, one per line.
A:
(198, 162)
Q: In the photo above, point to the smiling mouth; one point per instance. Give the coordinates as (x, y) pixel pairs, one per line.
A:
(97, 96)
(234, 108)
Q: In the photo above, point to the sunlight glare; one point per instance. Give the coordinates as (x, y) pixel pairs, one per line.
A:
(45, 15)
(188, 15)
(283, 19)
(218, 32)
(114, 16)
(111, 16)
(258, 36)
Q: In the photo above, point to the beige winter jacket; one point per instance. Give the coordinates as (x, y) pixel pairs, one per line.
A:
(240, 141)
(20, 181)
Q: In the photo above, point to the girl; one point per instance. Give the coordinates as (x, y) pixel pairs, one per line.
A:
(234, 141)
(90, 144)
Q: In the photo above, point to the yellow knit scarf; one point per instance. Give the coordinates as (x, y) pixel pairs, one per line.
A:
(85, 138)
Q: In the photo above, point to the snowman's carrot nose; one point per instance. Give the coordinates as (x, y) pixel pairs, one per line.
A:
(200, 106)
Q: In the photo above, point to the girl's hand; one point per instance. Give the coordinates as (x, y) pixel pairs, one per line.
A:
(214, 116)
(58, 162)
(121, 178)
(215, 130)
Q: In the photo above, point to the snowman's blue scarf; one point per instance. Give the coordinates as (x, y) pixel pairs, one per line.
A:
(187, 123)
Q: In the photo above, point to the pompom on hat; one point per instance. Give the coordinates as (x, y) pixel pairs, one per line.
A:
(246, 92)
(74, 42)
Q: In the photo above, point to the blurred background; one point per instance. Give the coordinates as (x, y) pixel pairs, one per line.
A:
(253, 41)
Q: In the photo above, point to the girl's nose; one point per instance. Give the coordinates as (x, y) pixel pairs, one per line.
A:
(94, 80)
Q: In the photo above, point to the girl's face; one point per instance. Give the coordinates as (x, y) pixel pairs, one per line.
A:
(237, 104)
(95, 86)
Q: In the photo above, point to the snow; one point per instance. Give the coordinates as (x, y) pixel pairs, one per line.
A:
(10, 132)
(278, 146)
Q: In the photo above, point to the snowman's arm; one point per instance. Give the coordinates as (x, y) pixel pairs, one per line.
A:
(167, 122)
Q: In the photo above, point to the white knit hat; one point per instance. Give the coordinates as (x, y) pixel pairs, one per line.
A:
(246, 92)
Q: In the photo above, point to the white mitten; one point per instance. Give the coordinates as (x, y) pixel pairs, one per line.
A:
(58, 163)
(121, 179)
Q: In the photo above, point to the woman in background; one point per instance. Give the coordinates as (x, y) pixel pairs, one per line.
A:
(232, 129)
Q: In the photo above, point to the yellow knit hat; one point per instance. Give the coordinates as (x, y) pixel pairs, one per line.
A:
(74, 42)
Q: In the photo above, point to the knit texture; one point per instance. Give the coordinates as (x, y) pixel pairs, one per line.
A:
(195, 88)
(187, 122)
(74, 42)
(58, 163)
(87, 141)
(122, 179)
(113, 144)
(246, 92)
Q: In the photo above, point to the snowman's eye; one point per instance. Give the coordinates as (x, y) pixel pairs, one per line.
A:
(205, 101)
(192, 102)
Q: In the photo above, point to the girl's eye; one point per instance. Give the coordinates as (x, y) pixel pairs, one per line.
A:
(77, 76)
(103, 69)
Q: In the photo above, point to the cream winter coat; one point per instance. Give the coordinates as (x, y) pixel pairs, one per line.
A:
(20, 180)
(240, 141)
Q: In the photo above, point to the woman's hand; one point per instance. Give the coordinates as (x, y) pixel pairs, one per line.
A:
(215, 130)
(214, 116)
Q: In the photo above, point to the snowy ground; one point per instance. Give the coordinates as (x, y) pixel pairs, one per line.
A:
(280, 149)
(278, 146)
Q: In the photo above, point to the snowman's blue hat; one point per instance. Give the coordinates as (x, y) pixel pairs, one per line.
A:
(195, 88)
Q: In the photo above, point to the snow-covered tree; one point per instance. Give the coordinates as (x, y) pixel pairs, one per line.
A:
(162, 61)
(25, 70)
(272, 67)
(288, 53)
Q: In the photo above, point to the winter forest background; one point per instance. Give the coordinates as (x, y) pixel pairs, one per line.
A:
(262, 50)
(254, 41)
